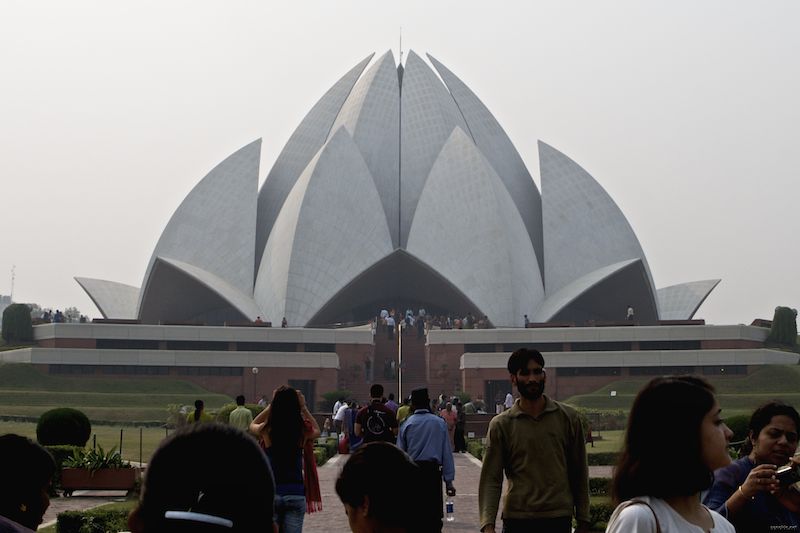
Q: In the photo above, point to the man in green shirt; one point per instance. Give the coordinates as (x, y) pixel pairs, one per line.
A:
(241, 416)
(539, 444)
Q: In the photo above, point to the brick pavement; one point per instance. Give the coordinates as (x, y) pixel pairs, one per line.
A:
(333, 520)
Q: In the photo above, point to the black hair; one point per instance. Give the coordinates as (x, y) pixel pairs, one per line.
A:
(376, 391)
(357, 480)
(762, 416)
(651, 464)
(234, 483)
(391, 396)
(519, 359)
(198, 409)
(26, 469)
(285, 428)
(240, 400)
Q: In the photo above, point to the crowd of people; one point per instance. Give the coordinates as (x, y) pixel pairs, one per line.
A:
(390, 321)
(675, 472)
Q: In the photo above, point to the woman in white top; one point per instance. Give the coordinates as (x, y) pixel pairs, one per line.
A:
(674, 441)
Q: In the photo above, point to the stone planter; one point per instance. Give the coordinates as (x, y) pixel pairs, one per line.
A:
(104, 479)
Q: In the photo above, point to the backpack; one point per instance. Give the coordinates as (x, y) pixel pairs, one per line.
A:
(376, 426)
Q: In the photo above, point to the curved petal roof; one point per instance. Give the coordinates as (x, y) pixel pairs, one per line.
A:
(428, 116)
(304, 143)
(604, 295)
(494, 144)
(186, 292)
(214, 227)
(584, 230)
(468, 229)
(331, 229)
(114, 300)
(372, 116)
(681, 302)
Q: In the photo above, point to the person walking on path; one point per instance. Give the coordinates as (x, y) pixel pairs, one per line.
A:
(539, 444)
(376, 422)
(241, 417)
(287, 430)
(424, 437)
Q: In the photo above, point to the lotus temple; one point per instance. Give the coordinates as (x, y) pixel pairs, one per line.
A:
(399, 189)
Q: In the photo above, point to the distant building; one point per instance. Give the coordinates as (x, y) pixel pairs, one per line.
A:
(419, 186)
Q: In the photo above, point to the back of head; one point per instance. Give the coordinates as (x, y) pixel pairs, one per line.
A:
(376, 391)
(662, 452)
(519, 359)
(25, 471)
(206, 477)
(420, 399)
(240, 400)
(358, 481)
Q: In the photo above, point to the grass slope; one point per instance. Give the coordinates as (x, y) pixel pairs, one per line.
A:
(25, 391)
(736, 395)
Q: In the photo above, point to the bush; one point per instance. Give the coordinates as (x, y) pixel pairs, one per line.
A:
(96, 459)
(321, 455)
(92, 521)
(17, 326)
(224, 413)
(783, 331)
(604, 419)
(599, 486)
(63, 425)
(599, 513)
(475, 448)
(325, 405)
(60, 454)
(331, 447)
(603, 459)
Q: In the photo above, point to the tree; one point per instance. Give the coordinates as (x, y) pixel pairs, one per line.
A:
(72, 314)
(17, 325)
(784, 327)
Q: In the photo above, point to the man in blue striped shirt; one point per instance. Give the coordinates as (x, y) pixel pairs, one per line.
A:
(424, 438)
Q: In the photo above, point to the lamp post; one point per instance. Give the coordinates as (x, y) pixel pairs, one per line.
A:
(255, 375)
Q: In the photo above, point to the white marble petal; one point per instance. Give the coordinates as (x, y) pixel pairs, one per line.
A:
(372, 116)
(468, 229)
(330, 230)
(427, 117)
(181, 305)
(214, 227)
(584, 230)
(681, 302)
(113, 299)
(494, 144)
(306, 141)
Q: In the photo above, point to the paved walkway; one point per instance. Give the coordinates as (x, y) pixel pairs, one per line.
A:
(332, 518)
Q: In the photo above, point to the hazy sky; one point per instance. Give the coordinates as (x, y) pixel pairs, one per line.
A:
(686, 112)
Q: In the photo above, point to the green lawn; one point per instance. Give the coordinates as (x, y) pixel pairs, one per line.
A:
(107, 437)
(736, 395)
(25, 391)
(611, 442)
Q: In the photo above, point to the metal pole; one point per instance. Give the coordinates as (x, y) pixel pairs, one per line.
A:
(120, 442)
(400, 366)
(94, 441)
(141, 434)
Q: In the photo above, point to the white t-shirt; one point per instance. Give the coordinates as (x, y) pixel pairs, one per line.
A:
(638, 518)
(336, 407)
(340, 413)
(509, 401)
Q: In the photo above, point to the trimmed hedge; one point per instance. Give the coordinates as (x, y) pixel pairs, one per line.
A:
(17, 326)
(63, 425)
(603, 459)
(475, 448)
(60, 454)
(599, 486)
(224, 413)
(599, 513)
(321, 455)
(92, 521)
